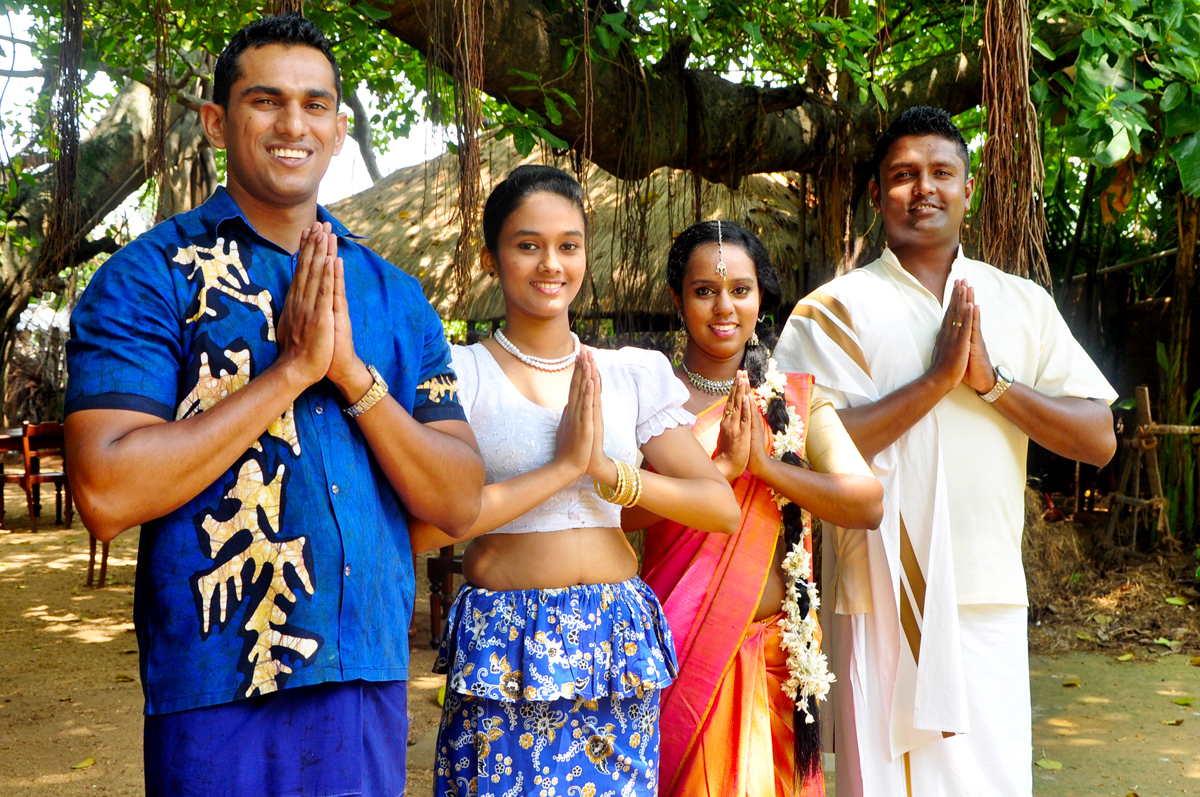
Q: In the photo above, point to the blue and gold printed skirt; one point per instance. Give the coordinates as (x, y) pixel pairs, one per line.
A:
(553, 692)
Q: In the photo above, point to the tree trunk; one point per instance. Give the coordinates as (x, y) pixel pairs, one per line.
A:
(1188, 209)
(112, 165)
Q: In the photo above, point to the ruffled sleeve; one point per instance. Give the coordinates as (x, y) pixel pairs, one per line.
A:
(660, 394)
(465, 363)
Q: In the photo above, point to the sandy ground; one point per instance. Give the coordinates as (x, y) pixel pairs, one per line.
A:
(70, 702)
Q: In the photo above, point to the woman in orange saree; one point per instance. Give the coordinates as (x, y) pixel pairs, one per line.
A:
(741, 607)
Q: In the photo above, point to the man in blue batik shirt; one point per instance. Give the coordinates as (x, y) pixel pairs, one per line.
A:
(267, 397)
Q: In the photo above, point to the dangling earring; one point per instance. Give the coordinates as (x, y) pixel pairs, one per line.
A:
(753, 339)
(682, 324)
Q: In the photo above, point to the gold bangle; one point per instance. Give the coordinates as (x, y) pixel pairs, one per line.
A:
(637, 487)
(628, 484)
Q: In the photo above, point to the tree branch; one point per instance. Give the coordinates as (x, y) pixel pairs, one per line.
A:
(89, 249)
(362, 133)
(671, 116)
(22, 73)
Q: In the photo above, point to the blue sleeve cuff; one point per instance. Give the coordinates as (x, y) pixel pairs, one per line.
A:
(427, 413)
(120, 401)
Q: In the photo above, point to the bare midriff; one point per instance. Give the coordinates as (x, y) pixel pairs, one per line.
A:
(549, 559)
(771, 602)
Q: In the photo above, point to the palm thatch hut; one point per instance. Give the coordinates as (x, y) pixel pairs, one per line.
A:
(411, 219)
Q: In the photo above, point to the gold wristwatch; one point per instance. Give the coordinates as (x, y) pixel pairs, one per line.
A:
(372, 397)
(1004, 380)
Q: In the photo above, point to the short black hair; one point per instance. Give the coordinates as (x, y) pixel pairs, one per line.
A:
(287, 29)
(920, 120)
(517, 187)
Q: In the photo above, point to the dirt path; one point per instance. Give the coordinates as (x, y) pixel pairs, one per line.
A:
(69, 690)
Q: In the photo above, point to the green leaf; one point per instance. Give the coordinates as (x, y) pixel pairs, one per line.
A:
(1042, 48)
(552, 112)
(1175, 94)
(1126, 404)
(1116, 151)
(84, 764)
(550, 138)
(1046, 763)
(880, 97)
(527, 75)
(614, 20)
(523, 141)
(1182, 119)
(372, 13)
(1125, 657)
(607, 41)
(1184, 701)
(1177, 601)
(1093, 37)
(752, 31)
(1187, 157)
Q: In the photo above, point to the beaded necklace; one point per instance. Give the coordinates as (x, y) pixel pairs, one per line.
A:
(540, 363)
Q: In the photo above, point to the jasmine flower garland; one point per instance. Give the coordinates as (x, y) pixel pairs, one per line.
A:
(808, 668)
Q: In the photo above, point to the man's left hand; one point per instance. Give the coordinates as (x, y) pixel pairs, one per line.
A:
(347, 372)
(981, 376)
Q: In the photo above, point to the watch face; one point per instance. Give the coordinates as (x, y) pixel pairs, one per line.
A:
(1005, 374)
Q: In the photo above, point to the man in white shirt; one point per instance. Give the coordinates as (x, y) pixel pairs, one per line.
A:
(942, 368)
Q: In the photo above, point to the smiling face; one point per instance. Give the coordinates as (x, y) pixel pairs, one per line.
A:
(540, 258)
(720, 314)
(923, 193)
(282, 125)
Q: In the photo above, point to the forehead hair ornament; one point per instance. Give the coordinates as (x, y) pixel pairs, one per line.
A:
(722, 272)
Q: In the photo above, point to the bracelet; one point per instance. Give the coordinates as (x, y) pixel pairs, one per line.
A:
(378, 390)
(629, 485)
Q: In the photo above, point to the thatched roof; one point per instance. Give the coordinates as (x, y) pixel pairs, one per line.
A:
(411, 220)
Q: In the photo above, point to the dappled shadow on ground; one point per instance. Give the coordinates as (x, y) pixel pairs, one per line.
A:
(1103, 726)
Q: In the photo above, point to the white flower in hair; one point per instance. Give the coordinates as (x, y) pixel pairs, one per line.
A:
(808, 668)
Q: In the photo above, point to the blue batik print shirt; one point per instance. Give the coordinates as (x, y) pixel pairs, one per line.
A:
(293, 568)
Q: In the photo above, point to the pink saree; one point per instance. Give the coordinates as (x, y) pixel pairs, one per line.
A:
(726, 724)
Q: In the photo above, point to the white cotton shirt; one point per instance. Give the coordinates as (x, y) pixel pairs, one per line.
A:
(640, 399)
(983, 452)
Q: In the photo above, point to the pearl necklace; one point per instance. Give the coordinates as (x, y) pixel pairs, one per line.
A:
(540, 363)
(708, 385)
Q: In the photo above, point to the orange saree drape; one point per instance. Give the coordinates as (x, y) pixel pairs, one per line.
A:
(726, 725)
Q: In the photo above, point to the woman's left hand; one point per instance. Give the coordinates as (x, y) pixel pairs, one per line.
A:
(759, 457)
(600, 467)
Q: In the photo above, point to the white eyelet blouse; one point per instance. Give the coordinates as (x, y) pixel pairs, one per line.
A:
(641, 399)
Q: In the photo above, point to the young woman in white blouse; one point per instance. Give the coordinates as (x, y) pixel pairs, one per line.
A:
(555, 650)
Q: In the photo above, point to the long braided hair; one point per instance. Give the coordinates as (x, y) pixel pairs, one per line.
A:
(754, 362)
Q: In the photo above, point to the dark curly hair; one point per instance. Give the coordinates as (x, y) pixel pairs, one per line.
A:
(288, 29)
(755, 363)
(920, 120)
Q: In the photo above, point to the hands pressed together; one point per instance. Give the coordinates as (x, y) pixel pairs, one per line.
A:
(314, 331)
(959, 353)
(740, 444)
(581, 430)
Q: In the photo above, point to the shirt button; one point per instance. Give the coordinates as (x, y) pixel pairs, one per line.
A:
(319, 409)
(335, 489)
(347, 571)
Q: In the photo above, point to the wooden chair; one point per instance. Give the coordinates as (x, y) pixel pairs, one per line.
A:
(441, 570)
(38, 439)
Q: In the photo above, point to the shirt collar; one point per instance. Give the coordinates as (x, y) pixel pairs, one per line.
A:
(220, 208)
(958, 270)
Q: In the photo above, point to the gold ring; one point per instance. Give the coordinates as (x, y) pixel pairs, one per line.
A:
(956, 323)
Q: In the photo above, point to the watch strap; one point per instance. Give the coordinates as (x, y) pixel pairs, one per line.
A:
(378, 390)
(1002, 384)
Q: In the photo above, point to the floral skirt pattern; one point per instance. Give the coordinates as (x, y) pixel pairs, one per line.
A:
(553, 692)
